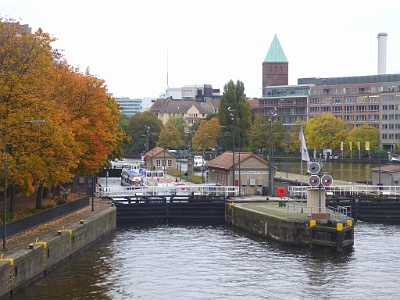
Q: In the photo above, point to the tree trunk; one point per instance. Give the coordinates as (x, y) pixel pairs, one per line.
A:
(45, 192)
(39, 197)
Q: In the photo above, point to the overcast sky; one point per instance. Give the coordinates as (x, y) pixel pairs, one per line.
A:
(132, 44)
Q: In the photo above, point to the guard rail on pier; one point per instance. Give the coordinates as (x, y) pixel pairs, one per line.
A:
(348, 190)
(187, 190)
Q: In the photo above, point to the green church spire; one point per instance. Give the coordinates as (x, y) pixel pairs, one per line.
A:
(275, 52)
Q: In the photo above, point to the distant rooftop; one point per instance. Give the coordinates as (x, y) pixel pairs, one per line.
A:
(275, 52)
(350, 80)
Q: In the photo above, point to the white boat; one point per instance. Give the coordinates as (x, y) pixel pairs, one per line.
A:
(198, 163)
(393, 160)
(132, 176)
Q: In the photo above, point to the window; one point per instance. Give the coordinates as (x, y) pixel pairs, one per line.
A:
(314, 110)
(314, 101)
(361, 109)
(373, 108)
(169, 162)
(158, 163)
(361, 118)
(348, 119)
(337, 100)
(349, 109)
(348, 100)
(336, 109)
(325, 101)
(325, 109)
(361, 99)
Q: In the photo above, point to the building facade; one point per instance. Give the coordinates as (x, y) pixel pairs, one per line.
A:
(129, 106)
(192, 111)
(360, 100)
(275, 68)
(197, 92)
(250, 172)
(157, 158)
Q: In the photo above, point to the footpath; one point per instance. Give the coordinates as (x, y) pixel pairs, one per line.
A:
(50, 229)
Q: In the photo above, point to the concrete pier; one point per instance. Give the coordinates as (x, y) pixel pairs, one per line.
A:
(292, 224)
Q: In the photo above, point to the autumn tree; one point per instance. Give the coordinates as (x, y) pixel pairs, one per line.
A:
(359, 137)
(234, 110)
(325, 131)
(170, 137)
(26, 61)
(207, 135)
(79, 134)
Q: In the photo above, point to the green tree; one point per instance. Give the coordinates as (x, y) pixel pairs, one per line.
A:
(180, 123)
(325, 131)
(170, 137)
(137, 128)
(235, 110)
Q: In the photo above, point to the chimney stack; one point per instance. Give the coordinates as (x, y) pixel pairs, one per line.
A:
(382, 37)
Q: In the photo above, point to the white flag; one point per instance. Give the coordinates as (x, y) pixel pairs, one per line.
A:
(303, 148)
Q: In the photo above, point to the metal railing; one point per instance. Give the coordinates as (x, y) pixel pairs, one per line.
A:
(187, 190)
(352, 190)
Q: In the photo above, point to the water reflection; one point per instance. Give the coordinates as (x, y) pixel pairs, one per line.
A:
(351, 172)
(217, 262)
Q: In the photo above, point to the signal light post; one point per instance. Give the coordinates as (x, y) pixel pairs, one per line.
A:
(315, 181)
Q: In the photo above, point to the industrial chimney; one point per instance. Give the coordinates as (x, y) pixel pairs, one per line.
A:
(382, 37)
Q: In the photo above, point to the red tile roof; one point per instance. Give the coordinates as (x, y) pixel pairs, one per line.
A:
(224, 161)
(157, 150)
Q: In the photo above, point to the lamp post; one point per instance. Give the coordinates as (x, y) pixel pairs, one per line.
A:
(5, 176)
(272, 116)
(234, 128)
(233, 143)
(165, 146)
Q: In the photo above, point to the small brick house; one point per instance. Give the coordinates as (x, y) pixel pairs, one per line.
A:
(155, 158)
(254, 171)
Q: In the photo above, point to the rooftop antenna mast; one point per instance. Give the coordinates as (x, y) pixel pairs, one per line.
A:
(167, 70)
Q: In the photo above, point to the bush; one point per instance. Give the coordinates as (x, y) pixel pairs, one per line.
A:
(61, 201)
(195, 178)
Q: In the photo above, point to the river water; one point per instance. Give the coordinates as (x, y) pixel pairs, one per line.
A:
(219, 262)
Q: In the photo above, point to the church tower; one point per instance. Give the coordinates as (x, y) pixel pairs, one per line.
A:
(275, 68)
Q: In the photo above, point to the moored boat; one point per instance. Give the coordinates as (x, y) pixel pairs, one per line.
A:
(198, 163)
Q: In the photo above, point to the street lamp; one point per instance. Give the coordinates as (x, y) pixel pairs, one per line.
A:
(233, 143)
(5, 176)
(272, 116)
(234, 128)
(165, 146)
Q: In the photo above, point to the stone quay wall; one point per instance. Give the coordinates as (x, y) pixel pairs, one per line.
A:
(40, 257)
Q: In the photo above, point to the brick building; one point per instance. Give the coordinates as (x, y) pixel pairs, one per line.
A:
(254, 171)
(275, 68)
(157, 158)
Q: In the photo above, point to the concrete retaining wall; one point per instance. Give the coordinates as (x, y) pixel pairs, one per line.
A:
(282, 230)
(22, 267)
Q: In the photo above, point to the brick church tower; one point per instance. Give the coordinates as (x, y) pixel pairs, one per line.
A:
(275, 68)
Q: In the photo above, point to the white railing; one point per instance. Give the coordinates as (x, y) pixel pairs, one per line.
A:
(187, 190)
(353, 190)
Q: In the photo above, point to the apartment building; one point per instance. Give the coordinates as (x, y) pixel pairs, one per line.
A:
(129, 106)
